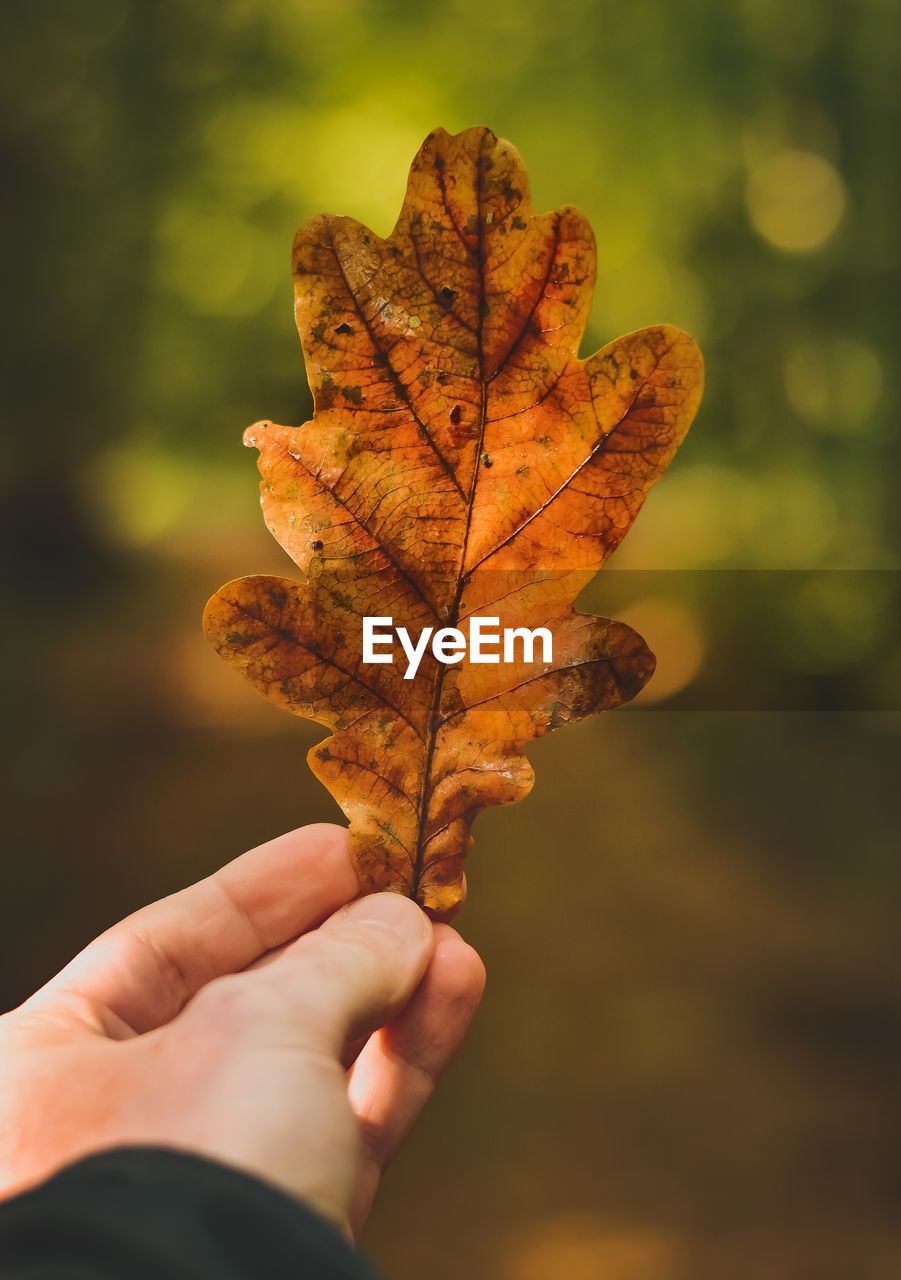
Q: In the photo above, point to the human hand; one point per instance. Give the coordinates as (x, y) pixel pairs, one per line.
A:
(221, 1020)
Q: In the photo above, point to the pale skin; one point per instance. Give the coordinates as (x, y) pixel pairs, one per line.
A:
(222, 1020)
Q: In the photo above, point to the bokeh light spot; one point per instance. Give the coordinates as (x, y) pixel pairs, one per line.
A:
(795, 199)
(138, 493)
(688, 523)
(834, 384)
(789, 519)
(217, 263)
(648, 290)
(673, 632)
(581, 1248)
(836, 620)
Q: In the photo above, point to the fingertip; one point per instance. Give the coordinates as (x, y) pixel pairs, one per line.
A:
(354, 973)
(390, 911)
(329, 842)
(458, 968)
(324, 830)
(309, 867)
(366, 961)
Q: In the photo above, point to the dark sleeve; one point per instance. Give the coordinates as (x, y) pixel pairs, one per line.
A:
(154, 1214)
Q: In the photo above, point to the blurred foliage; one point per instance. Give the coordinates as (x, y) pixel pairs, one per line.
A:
(688, 1068)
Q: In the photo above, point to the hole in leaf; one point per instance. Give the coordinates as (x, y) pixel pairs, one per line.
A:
(455, 415)
(344, 327)
(448, 295)
(317, 544)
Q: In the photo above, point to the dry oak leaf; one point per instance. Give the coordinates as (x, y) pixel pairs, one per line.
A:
(462, 461)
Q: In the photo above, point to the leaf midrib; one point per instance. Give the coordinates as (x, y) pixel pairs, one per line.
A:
(432, 724)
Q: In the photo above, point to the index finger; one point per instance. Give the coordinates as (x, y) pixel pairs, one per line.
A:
(144, 970)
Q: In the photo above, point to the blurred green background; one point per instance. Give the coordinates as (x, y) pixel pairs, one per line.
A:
(687, 1063)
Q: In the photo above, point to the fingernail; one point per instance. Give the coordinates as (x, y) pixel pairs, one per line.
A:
(391, 911)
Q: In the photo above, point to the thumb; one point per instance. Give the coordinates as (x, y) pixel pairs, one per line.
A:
(348, 977)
